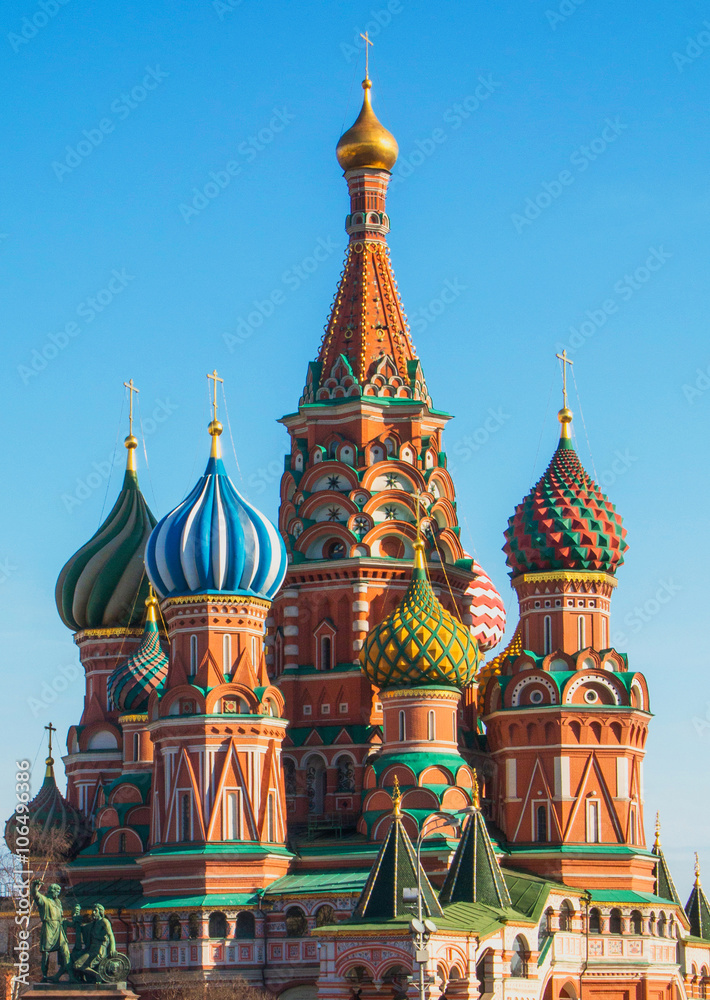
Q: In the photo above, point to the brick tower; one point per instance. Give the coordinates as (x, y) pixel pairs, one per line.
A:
(566, 719)
(366, 441)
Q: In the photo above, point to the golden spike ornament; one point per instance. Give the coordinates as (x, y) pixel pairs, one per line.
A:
(131, 442)
(215, 427)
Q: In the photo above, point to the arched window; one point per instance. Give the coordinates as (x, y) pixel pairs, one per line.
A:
(346, 773)
(544, 929)
(193, 654)
(270, 819)
(174, 928)
(652, 923)
(547, 628)
(185, 817)
(278, 653)
(603, 633)
(402, 727)
(316, 785)
(566, 912)
(431, 726)
(245, 925)
(233, 816)
(595, 921)
(156, 927)
(325, 915)
(136, 746)
(519, 958)
(296, 922)
(661, 925)
(485, 971)
(636, 922)
(593, 822)
(541, 824)
(581, 632)
(218, 925)
(193, 926)
(226, 653)
(615, 921)
(122, 843)
(704, 982)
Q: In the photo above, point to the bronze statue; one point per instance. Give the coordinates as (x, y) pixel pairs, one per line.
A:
(53, 936)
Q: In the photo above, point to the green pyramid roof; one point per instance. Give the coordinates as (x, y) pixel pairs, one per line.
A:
(395, 870)
(475, 875)
(698, 911)
(664, 886)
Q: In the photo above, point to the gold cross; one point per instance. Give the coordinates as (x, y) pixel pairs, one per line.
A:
(565, 361)
(51, 729)
(417, 498)
(131, 389)
(367, 54)
(215, 379)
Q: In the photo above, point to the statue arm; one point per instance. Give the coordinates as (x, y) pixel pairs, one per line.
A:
(111, 938)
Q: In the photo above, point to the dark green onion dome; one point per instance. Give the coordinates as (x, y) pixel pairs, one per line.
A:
(565, 522)
(53, 825)
(420, 642)
(146, 670)
(104, 584)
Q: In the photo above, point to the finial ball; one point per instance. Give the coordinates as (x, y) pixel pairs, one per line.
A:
(131, 442)
(215, 428)
(565, 415)
(366, 84)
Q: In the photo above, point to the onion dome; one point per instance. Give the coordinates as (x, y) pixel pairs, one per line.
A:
(367, 143)
(486, 608)
(494, 668)
(55, 827)
(104, 584)
(146, 670)
(215, 542)
(565, 522)
(420, 642)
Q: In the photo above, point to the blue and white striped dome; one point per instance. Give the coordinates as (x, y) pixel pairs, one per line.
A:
(215, 542)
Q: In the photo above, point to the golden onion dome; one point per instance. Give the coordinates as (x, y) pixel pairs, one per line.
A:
(419, 642)
(367, 143)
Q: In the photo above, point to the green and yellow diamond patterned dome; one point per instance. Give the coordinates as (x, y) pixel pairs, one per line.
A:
(420, 642)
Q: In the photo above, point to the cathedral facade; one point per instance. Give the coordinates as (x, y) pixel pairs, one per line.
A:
(299, 759)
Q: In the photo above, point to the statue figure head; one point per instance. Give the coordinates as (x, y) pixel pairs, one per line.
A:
(98, 911)
(54, 890)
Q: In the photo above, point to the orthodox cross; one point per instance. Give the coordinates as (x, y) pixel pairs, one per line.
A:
(367, 54)
(215, 379)
(131, 389)
(565, 361)
(50, 729)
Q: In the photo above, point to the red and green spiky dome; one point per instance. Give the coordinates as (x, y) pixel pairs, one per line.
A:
(565, 522)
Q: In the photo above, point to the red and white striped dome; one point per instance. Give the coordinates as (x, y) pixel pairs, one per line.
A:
(485, 614)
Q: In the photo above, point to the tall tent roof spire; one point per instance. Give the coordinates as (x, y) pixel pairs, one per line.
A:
(698, 909)
(664, 885)
(474, 875)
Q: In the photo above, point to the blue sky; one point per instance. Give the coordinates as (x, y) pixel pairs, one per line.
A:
(552, 176)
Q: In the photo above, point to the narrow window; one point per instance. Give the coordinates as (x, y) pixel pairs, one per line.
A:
(593, 822)
(603, 633)
(580, 632)
(547, 625)
(632, 825)
(402, 727)
(122, 844)
(541, 824)
(193, 654)
(431, 726)
(595, 921)
(270, 824)
(226, 654)
(279, 654)
(185, 817)
(136, 746)
(453, 727)
(233, 831)
(325, 652)
(253, 650)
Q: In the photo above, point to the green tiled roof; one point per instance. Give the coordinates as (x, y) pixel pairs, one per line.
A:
(664, 885)
(698, 912)
(215, 901)
(329, 734)
(350, 880)
(474, 875)
(124, 893)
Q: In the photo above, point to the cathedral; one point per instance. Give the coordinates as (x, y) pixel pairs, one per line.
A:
(301, 759)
